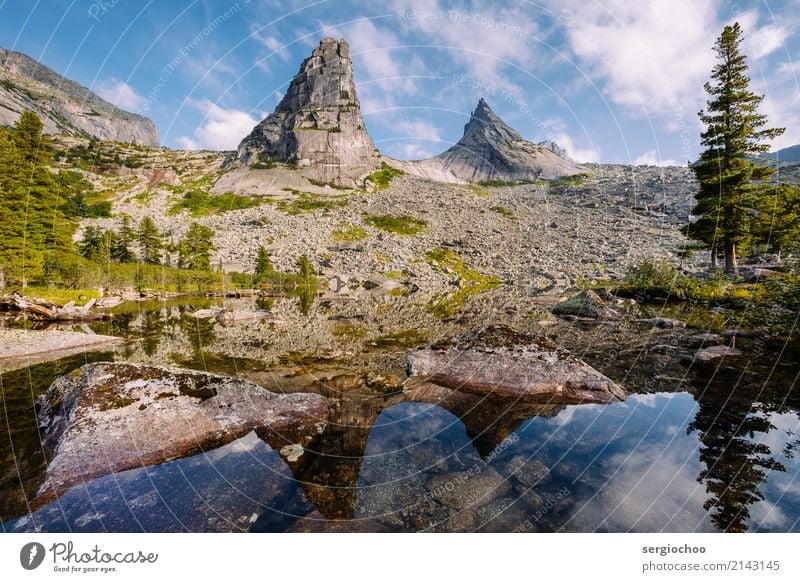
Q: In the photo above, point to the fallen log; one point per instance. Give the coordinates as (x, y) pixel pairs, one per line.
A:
(40, 310)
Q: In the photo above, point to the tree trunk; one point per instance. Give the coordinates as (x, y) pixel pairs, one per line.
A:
(731, 267)
(713, 258)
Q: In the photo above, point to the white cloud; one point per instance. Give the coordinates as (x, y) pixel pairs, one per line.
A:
(789, 69)
(119, 93)
(653, 158)
(222, 129)
(760, 42)
(579, 154)
(653, 57)
(556, 131)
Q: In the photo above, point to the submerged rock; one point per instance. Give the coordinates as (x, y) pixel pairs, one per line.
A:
(585, 304)
(105, 418)
(504, 363)
(714, 352)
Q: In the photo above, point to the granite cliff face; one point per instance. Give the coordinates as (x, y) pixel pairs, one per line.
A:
(491, 150)
(318, 124)
(65, 106)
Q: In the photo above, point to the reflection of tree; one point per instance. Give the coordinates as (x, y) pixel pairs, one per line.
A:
(199, 332)
(305, 295)
(152, 327)
(728, 423)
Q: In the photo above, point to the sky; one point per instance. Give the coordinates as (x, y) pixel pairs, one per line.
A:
(611, 81)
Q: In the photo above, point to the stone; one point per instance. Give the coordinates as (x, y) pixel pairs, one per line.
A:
(501, 362)
(585, 304)
(528, 472)
(705, 337)
(104, 418)
(235, 316)
(491, 150)
(663, 322)
(714, 352)
(381, 284)
(317, 126)
(471, 488)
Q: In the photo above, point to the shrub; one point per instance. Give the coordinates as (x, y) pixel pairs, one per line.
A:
(403, 225)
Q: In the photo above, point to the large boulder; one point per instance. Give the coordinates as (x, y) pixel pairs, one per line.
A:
(586, 304)
(109, 417)
(504, 363)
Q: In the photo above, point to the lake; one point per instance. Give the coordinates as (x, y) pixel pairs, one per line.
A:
(696, 447)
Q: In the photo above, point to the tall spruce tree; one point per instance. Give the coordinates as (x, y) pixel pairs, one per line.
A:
(195, 248)
(730, 181)
(150, 241)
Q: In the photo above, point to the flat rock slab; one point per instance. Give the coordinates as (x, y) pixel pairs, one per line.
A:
(19, 347)
(105, 418)
(713, 352)
(504, 363)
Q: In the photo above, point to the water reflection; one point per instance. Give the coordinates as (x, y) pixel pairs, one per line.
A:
(719, 456)
(243, 486)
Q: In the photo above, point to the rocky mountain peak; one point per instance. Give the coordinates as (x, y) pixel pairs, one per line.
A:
(491, 150)
(318, 123)
(65, 106)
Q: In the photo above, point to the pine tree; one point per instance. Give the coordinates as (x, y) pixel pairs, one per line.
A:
(730, 182)
(30, 140)
(90, 242)
(263, 266)
(121, 250)
(150, 241)
(777, 222)
(305, 268)
(195, 248)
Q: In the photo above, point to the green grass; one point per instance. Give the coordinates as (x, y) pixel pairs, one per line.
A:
(321, 184)
(572, 180)
(62, 296)
(470, 281)
(201, 203)
(405, 339)
(347, 233)
(383, 177)
(508, 183)
(503, 211)
(403, 224)
(306, 203)
(662, 279)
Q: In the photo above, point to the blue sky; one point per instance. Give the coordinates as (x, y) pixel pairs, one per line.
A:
(610, 80)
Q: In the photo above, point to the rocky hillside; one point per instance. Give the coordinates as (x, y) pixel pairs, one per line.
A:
(414, 233)
(491, 150)
(317, 126)
(65, 106)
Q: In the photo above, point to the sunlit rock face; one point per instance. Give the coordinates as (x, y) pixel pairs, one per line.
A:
(65, 106)
(318, 123)
(491, 150)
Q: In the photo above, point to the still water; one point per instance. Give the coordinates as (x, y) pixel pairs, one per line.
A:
(694, 449)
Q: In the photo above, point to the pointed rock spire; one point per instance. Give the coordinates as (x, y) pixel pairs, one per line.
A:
(491, 150)
(318, 122)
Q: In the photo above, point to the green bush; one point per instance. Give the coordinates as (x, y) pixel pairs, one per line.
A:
(383, 177)
(404, 225)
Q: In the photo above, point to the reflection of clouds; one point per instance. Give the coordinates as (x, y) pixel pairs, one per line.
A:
(780, 510)
(652, 490)
(643, 462)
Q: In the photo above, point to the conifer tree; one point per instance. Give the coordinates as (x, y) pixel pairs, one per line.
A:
(150, 241)
(730, 181)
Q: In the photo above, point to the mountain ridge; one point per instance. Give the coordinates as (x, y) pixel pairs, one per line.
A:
(64, 105)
